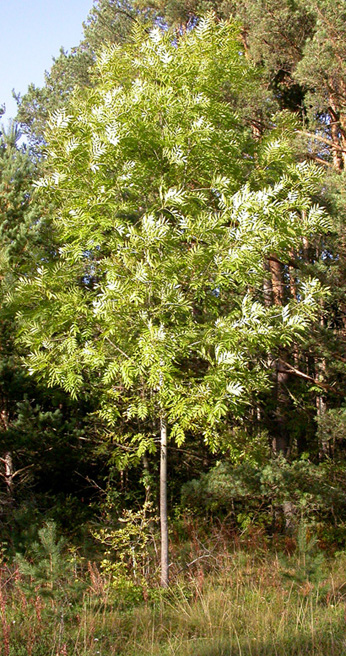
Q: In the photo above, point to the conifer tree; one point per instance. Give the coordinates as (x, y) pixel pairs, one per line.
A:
(19, 230)
(32, 423)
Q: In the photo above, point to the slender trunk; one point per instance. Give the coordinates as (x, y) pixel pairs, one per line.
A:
(306, 248)
(293, 294)
(280, 442)
(8, 464)
(146, 477)
(321, 407)
(7, 459)
(320, 371)
(281, 439)
(267, 288)
(335, 134)
(337, 157)
(343, 137)
(163, 506)
(289, 512)
(342, 119)
(293, 282)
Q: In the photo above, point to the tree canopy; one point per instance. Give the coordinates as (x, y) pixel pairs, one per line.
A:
(164, 235)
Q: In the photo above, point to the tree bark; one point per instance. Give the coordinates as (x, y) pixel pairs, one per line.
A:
(267, 288)
(334, 131)
(7, 460)
(280, 441)
(8, 466)
(275, 268)
(163, 505)
(146, 477)
(343, 137)
(281, 438)
(321, 406)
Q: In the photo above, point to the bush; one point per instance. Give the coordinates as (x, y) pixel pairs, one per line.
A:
(276, 495)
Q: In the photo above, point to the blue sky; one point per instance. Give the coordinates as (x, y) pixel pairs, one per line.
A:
(31, 33)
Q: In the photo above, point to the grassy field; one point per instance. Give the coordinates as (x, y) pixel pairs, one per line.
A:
(238, 603)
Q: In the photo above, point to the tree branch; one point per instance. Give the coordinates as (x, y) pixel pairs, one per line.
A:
(118, 349)
(319, 160)
(322, 139)
(292, 370)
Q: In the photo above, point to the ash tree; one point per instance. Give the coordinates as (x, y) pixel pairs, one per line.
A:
(167, 213)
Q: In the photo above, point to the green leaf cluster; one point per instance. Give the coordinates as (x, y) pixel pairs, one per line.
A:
(157, 299)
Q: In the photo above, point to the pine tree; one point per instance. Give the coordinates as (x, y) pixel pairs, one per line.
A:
(20, 233)
(32, 423)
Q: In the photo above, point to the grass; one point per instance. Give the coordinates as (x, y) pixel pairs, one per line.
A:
(242, 605)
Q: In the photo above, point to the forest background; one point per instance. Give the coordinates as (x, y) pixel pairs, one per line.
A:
(81, 431)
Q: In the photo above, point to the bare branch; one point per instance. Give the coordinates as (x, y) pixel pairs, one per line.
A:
(118, 349)
(322, 139)
(292, 370)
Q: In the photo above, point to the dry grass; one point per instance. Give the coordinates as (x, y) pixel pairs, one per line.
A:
(241, 607)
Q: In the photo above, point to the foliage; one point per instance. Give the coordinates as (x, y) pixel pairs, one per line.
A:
(163, 248)
(48, 565)
(244, 591)
(48, 570)
(259, 494)
(23, 224)
(129, 551)
(307, 565)
(40, 430)
(332, 431)
(24, 242)
(322, 68)
(108, 21)
(36, 104)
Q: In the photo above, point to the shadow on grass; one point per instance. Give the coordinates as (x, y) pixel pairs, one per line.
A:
(328, 640)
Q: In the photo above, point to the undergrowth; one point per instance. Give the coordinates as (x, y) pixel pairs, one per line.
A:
(233, 598)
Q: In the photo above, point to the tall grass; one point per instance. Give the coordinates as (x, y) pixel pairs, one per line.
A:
(240, 605)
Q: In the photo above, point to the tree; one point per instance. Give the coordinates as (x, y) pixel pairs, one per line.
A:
(34, 106)
(168, 212)
(109, 21)
(34, 426)
(20, 234)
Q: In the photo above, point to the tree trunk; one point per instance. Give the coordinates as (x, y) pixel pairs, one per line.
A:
(275, 268)
(321, 407)
(267, 288)
(280, 441)
(281, 438)
(335, 134)
(343, 137)
(7, 460)
(8, 465)
(293, 279)
(163, 505)
(146, 477)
